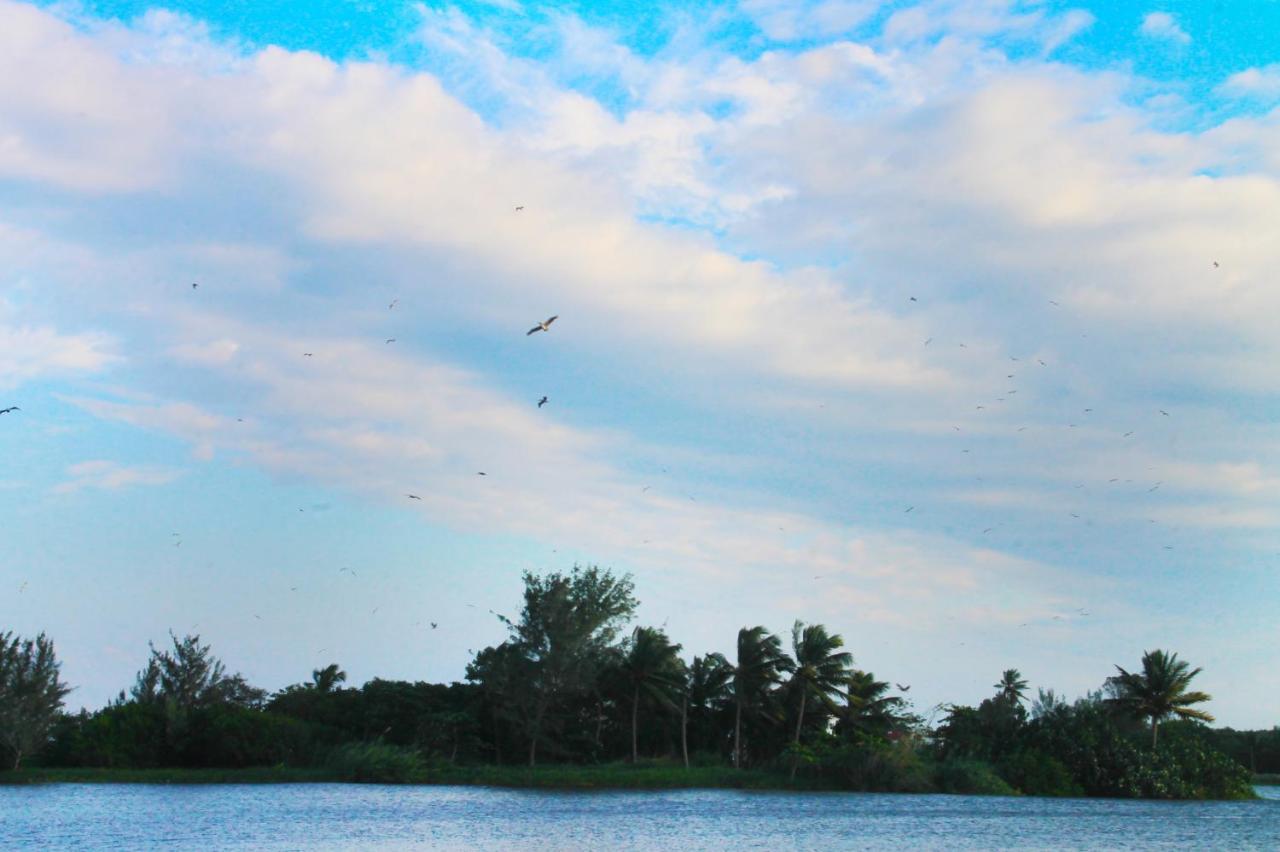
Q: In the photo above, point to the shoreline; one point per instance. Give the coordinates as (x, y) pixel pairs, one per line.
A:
(552, 777)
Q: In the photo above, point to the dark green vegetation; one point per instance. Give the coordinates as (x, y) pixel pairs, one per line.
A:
(574, 699)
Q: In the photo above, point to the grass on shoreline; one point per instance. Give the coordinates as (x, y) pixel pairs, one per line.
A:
(617, 776)
(609, 777)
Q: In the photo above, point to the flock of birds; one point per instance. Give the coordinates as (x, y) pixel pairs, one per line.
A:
(544, 326)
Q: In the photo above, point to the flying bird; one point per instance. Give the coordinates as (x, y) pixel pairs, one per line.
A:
(306, 355)
(543, 402)
(521, 207)
(545, 325)
(10, 408)
(434, 625)
(927, 342)
(914, 299)
(413, 496)
(194, 285)
(481, 473)
(909, 508)
(903, 688)
(391, 340)
(1215, 264)
(1055, 304)
(1162, 411)
(394, 302)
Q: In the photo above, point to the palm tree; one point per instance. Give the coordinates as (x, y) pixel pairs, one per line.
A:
(1012, 687)
(760, 664)
(820, 669)
(651, 666)
(706, 690)
(867, 707)
(325, 679)
(1159, 691)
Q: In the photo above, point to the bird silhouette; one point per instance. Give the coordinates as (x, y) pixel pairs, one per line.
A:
(413, 496)
(545, 325)
(481, 473)
(194, 285)
(10, 408)
(903, 688)
(520, 207)
(394, 302)
(543, 402)
(434, 625)
(391, 340)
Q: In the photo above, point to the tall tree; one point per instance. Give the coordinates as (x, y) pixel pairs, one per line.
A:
(30, 693)
(567, 624)
(190, 676)
(1011, 686)
(707, 693)
(821, 668)
(652, 668)
(327, 678)
(868, 707)
(1160, 690)
(760, 665)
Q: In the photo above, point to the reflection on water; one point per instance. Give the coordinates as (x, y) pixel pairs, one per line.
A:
(335, 816)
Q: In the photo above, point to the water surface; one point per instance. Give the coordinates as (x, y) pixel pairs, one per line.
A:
(338, 816)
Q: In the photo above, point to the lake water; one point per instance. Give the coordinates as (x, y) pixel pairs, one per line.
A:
(337, 816)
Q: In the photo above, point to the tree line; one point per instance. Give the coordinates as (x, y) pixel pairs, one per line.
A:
(572, 684)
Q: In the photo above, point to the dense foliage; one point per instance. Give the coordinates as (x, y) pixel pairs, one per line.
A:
(31, 693)
(571, 686)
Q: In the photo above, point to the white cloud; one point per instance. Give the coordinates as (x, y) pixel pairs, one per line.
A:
(1261, 82)
(111, 476)
(42, 351)
(1163, 27)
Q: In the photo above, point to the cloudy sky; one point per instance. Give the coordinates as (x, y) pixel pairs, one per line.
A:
(951, 325)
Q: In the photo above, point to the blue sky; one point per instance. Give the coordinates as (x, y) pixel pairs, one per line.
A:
(949, 325)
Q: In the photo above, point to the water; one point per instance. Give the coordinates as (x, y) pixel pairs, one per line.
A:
(336, 816)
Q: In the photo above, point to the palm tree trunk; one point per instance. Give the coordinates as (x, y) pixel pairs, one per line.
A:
(737, 736)
(795, 757)
(497, 740)
(1154, 723)
(684, 729)
(533, 739)
(635, 713)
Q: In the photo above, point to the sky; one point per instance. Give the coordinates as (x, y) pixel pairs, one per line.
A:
(950, 325)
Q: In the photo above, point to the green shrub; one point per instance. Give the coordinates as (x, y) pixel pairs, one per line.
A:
(1038, 774)
(376, 763)
(971, 777)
